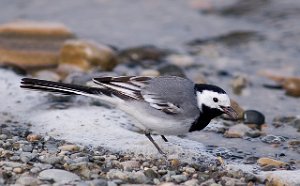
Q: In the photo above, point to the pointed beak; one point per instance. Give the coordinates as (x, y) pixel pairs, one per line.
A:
(230, 112)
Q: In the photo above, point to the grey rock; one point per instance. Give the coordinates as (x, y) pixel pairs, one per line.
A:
(282, 120)
(253, 133)
(130, 165)
(116, 174)
(10, 164)
(192, 182)
(250, 177)
(82, 183)
(253, 117)
(81, 159)
(136, 177)
(111, 183)
(150, 173)
(6, 145)
(58, 176)
(27, 148)
(179, 178)
(42, 166)
(35, 170)
(98, 182)
(283, 177)
(50, 159)
(210, 182)
(27, 156)
(3, 136)
(51, 147)
(272, 139)
(27, 180)
(237, 131)
(227, 181)
(14, 158)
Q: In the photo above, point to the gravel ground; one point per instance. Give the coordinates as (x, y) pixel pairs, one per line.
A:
(30, 159)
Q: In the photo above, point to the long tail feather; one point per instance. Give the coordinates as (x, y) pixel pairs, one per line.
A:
(61, 88)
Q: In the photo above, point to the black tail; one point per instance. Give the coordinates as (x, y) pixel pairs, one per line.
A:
(61, 88)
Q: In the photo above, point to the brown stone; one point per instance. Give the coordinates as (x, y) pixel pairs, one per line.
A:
(69, 148)
(294, 144)
(237, 131)
(29, 59)
(33, 137)
(290, 84)
(238, 84)
(35, 28)
(32, 45)
(175, 163)
(268, 161)
(238, 109)
(18, 170)
(85, 55)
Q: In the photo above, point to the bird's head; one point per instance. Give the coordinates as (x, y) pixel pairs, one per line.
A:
(213, 101)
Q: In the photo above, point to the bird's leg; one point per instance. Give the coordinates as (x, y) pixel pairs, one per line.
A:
(164, 138)
(154, 143)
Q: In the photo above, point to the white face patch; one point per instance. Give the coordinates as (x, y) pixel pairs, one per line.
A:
(212, 99)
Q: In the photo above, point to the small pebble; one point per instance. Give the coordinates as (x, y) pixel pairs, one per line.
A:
(27, 181)
(238, 84)
(58, 176)
(192, 182)
(179, 178)
(237, 131)
(175, 163)
(268, 161)
(33, 137)
(150, 173)
(189, 170)
(150, 72)
(130, 165)
(18, 170)
(3, 136)
(253, 117)
(71, 148)
(272, 139)
(27, 148)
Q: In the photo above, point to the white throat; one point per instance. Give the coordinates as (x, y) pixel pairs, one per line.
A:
(206, 97)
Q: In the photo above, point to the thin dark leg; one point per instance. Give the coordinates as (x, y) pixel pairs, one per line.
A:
(164, 138)
(154, 143)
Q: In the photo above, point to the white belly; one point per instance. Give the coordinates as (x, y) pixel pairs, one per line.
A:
(150, 123)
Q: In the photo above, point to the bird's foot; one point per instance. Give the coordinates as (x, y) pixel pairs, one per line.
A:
(155, 144)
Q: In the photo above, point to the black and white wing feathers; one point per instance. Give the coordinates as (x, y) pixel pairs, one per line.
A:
(133, 87)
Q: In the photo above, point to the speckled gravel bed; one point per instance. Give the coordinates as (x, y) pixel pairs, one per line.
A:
(30, 159)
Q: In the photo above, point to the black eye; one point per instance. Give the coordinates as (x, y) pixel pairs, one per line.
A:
(215, 99)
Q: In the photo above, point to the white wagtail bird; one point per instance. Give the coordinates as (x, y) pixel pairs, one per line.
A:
(166, 105)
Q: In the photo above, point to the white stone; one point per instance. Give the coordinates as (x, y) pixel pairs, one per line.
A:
(59, 176)
(283, 177)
